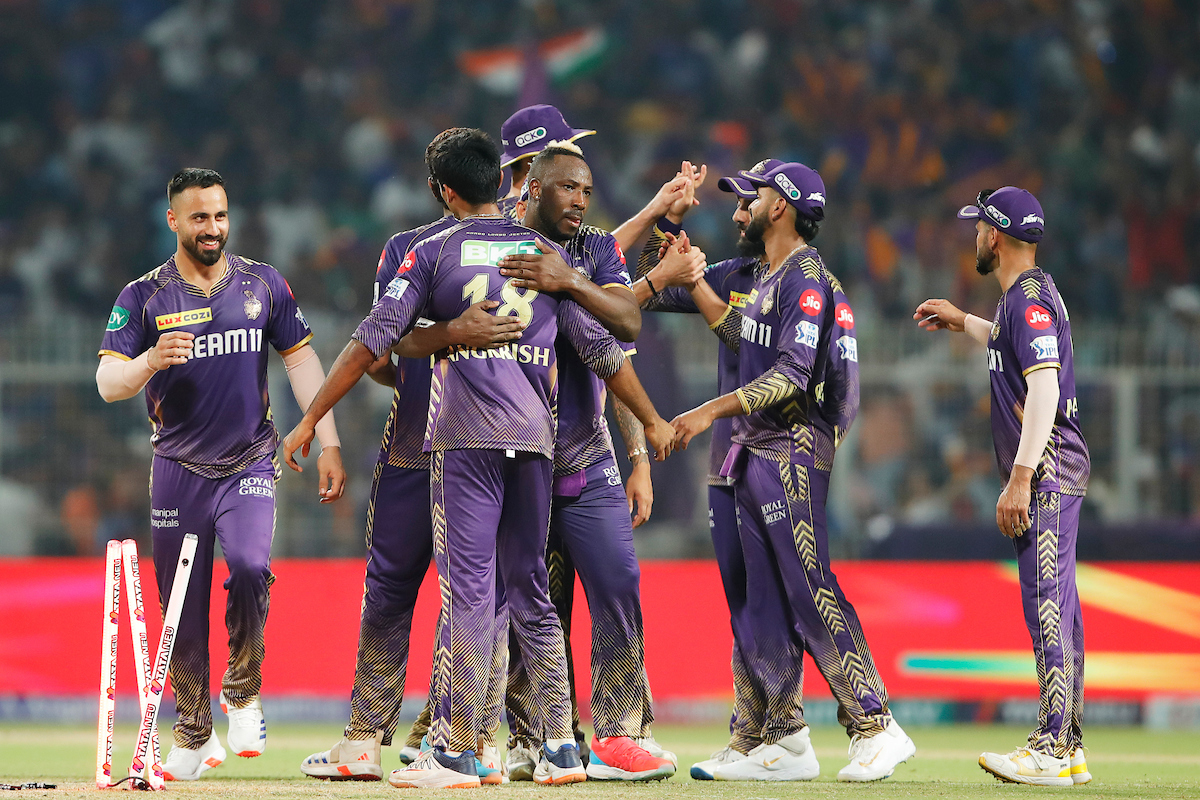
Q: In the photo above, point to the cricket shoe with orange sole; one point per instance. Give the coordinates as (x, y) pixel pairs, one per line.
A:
(348, 760)
(620, 758)
(183, 764)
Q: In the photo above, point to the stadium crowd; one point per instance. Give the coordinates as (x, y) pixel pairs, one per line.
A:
(318, 114)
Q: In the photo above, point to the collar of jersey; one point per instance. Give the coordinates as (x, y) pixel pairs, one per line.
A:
(172, 274)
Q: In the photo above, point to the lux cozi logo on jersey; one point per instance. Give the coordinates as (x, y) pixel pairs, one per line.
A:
(743, 299)
(521, 353)
(475, 252)
(183, 318)
(757, 332)
(239, 340)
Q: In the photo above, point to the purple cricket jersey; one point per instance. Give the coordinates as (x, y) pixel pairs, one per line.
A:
(404, 431)
(797, 322)
(501, 399)
(212, 414)
(508, 207)
(733, 281)
(583, 436)
(1032, 331)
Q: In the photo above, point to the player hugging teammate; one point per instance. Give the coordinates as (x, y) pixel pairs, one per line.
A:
(512, 320)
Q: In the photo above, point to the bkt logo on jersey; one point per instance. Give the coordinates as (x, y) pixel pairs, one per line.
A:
(529, 137)
(1038, 318)
(481, 253)
(789, 188)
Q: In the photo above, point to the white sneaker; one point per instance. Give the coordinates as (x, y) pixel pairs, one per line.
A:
(790, 759)
(1032, 767)
(247, 728)
(560, 766)
(876, 757)
(1079, 769)
(436, 770)
(703, 770)
(521, 763)
(409, 754)
(490, 766)
(348, 760)
(188, 765)
(655, 749)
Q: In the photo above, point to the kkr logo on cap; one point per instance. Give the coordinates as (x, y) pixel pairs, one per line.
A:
(995, 214)
(760, 167)
(788, 187)
(528, 137)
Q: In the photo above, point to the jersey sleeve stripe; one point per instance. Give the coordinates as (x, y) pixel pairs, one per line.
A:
(296, 346)
(1044, 365)
(121, 356)
(614, 283)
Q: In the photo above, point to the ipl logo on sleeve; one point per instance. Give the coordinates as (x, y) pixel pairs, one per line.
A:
(396, 288)
(807, 334)
(1045, 347)
(848, 348)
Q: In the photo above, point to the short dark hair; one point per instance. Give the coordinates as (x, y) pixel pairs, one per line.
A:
(432, 148)
(553, 151)
(467, 161)
(190, 177)
(807, 228)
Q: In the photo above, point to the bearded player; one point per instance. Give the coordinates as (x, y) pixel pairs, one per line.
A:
(1040, 448)
(194, 333)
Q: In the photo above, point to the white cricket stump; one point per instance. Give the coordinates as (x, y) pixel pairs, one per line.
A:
(147, 760)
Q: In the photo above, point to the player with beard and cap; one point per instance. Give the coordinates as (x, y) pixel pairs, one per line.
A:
(1041, 450)
(798, 395)
(399, 532)
(525, 134)
(490, 435)
(664, 287)
(590, 528)
(193, 333)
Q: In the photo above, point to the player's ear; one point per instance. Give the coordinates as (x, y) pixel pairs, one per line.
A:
(172, 223)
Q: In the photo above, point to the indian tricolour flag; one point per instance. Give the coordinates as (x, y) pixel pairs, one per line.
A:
(566, 57)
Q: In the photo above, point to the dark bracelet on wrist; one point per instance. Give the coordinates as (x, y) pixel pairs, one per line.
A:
(651, 285)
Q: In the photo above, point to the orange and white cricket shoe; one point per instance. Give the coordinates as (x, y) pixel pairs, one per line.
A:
(348, 760)
(436, 770)
(183, 764)
(247, 728)
(620, 758)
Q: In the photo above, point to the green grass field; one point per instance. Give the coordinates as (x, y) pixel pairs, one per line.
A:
(1126, 763)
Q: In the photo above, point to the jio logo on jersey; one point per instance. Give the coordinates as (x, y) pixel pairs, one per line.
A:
(811, 303)
(1038, 318)
(843, 315)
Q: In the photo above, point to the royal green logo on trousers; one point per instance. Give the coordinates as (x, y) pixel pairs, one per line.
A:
(476, 252)
(117, 319)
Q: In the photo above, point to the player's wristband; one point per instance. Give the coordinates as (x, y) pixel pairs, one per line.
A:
(641, 451)
(665, 225)
(646, 278)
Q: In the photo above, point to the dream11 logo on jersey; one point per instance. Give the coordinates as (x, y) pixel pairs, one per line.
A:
(1038, 318)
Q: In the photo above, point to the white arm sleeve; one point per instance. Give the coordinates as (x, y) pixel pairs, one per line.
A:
(1041, 407)
(306, 376)
(120, 380)
(978, 328)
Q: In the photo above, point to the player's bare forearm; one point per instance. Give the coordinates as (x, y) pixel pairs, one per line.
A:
(641, 292)
(710, 305)
(615, 307)
(633, 433)
(350, 366)
(692, 423)
(634, 228)
(383, 371)
(424, 342)
(626, 387)
(937, 314)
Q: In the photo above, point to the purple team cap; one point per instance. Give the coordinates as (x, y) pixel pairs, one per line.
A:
(1009, 210)
(799, 185)
(740, 184)
(529, 130)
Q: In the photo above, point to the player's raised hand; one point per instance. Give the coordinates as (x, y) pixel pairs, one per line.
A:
(690, 424)
(479, 328)
(693, 180)
(666, 196)
(660, 436)
(301, 439)
(332, 481)
(936, 315)
(680, 243)
(544, 270)
(680, 266)
(1012, 509)
(173, 347)
(639, 491)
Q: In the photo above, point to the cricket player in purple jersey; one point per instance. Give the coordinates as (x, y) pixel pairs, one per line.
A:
(490, 434)
(193, 333)
(525, 134)
(663, 288)
(399, 532)
(1041, 452)
(590, 528)
(798, 395)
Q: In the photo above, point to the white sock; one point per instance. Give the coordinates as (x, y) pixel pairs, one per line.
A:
(454, 753)
(554, 744)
